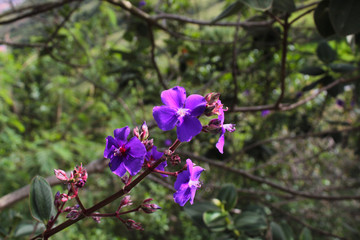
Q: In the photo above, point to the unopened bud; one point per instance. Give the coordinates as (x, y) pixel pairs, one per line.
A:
(131, 224)
(126, 201)
(97, 219)
(149, 208)
(57, 200)
(175, 160)
(144, 132)
(136, 132)
(148, 144)
(214, 126)
(212, 98)
(73, 214)
(61, 175)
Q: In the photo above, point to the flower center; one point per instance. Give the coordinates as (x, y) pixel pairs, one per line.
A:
(120, 151)
(182, 112)
(196, 183)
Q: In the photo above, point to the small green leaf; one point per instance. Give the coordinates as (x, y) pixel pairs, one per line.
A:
(277, 232)
(250, 221)
(342, 67)
(26, 229)
(322, 19)
(216, 221)
(232, 9)
(344, 16)
(197, 210)
(228, 196)
(305, 234)
(41, 199)
(258, 4)
(325, 53)
(287, 6)
(312, 71)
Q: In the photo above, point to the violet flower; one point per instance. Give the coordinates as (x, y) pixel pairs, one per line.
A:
(124, 155)
(152, 156)
(265, 112)
(224, 127)
(181, 112)
(187, 183)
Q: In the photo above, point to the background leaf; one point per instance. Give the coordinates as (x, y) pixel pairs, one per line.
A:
(228, 196)
(322, 19)
(325, 53)
(344, 16)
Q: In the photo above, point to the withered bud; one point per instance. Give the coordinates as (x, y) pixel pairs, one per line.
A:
(175, 160)
(148, 144)
(214, 126)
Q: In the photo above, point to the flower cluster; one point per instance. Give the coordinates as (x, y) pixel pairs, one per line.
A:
(180, 111)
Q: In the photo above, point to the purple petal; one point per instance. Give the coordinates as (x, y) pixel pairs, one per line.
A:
(229, 127)
(189, 128)
(133, 165)
(221, 141)
(174, 97)
(165, 117)
(117, 166)
(135, 148)
(196, 103)
(182, 195)
(155, 154)
(121, 134)
(196, 172)
(192, 197)
(111, 145)
(182, 178)
(190, 166)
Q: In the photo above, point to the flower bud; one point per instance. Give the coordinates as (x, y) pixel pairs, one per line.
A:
(175, 159)
(61, 175)
(97, 219)
(148, 144)
(144, 132)
(126, 201)
(149, 208)
(131, 224)
(57, 200)
(136, 132)
(212, 98)
(214, 126)
(73, 214)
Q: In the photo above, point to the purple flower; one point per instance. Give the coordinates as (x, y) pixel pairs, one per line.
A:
(224, 127)
(142, 3)
(187, 183)
(124, 155)
(340, 103)
(181, 112)
(265, 112)
(168, 142)
(152, 156)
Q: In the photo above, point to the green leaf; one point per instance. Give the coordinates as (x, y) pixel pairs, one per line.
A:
(312, 71)
(284, 5)
(344, 16)
(197, 210)
(41, 199)
(305, 234)
(25, 229)
(258, 4)
(232, 9)
(277, 232)
(216, 221)
(322, 19)
(250, 221)
(325, 53)
(342, 67)
(228, 196)
(289, 234)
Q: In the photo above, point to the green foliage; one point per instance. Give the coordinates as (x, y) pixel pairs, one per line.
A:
(41, 200)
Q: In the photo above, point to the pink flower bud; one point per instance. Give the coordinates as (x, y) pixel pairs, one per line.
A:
(131, 224)
(136, 132)
(149, 208)
(97, 219)
(212, 98)
(126, 201)
(61, 175)
(144, 132)
(175, 159)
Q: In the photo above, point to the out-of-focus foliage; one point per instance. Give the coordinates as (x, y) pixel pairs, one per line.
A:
(89, 70)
